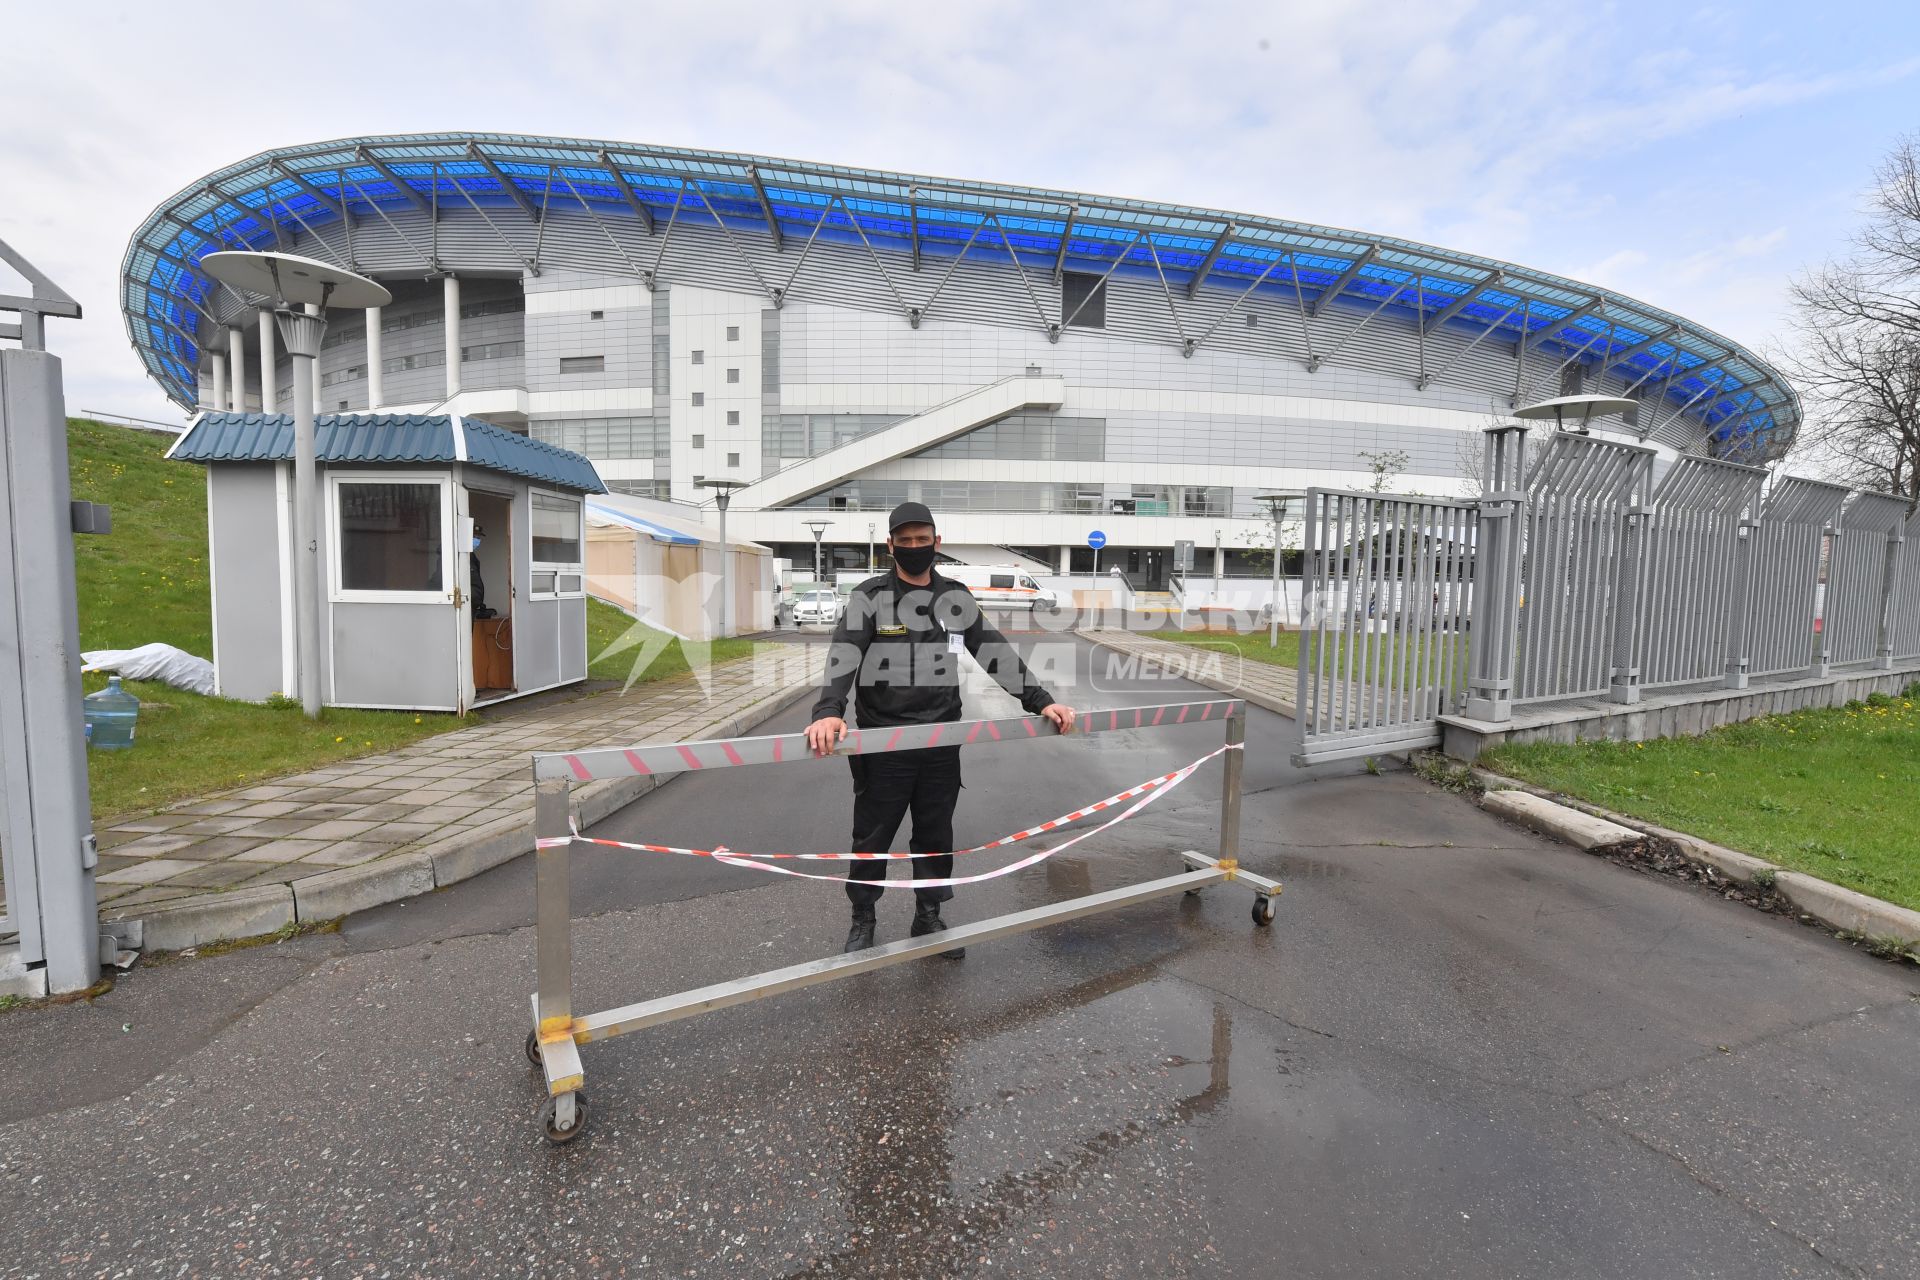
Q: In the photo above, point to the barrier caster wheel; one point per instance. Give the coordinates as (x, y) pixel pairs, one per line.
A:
(1263, 911)
(1191, 893)
(533, 1047)
(549, 1116)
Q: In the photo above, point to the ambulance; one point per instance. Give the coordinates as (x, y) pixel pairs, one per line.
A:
(1005, 585)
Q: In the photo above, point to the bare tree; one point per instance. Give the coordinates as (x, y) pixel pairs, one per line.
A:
(1385, 466)
(1469, 449)
(1857, 354)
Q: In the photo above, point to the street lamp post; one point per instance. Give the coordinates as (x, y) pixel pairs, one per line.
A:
(302, 289)
(723, 488)
(869, 546)
(1277, 509)
(819, 527)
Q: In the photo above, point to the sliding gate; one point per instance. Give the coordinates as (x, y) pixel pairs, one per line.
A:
(1386, 592)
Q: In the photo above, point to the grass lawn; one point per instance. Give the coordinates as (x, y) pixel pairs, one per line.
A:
(1251, 646)
(1834, 793)
(1254, 648)
(606, 624)
(147, 581)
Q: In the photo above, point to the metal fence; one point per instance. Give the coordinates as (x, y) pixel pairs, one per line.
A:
(1589, 582)
(1691, 575)
(1860, 557)
(1578, 539)
(1386, 592)
(1784, 548)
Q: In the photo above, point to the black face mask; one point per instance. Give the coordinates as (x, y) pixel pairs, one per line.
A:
(914, 560)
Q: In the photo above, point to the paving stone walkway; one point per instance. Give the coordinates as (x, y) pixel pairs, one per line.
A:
(359, 811)
(1262, 683)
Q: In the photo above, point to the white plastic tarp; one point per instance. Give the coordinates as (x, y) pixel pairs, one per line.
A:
(160, 662)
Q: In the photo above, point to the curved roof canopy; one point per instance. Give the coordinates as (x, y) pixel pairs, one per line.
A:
(1715, 396)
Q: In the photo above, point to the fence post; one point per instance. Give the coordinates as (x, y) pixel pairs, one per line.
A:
(553, 914)
(1823, 638)
(1889, 592)
(1230, 784)
(1628, 616)
(1495, 611)
(1739, 625)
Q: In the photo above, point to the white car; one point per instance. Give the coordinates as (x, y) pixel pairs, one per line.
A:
(817, 607)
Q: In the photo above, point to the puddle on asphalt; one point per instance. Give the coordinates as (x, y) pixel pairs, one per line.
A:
(1040, 1099)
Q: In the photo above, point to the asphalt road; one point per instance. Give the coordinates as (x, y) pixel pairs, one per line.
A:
(1460, 1051)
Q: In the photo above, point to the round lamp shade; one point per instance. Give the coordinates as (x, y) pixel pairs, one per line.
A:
(1581, 409)
(293, 280)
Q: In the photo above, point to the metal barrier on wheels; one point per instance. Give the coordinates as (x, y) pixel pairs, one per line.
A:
(558, 1032)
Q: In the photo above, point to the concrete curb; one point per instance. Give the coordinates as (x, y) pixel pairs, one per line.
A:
(1569, 825)
(216, 917)
(248, 912)
(1260, 700)
(1835, 906)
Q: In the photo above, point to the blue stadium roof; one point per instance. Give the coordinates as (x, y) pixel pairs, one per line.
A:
(1708, 392)
(386, 438)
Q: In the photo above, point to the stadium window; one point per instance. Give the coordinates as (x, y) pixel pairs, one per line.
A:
(351, 373)
(699, 442)
(492, 350)
(733, 375)
(420, 360)
(733, 333)
(733, 459)
(408, 320)
(343, 406)
(699, 357)
(733, 417)
(699, 399)
(493, 307)
(1083, 300)
(1253, 320)
(596, 315)
(583, 364)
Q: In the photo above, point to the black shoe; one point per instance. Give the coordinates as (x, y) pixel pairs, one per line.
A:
(860, 936)
(926, 919)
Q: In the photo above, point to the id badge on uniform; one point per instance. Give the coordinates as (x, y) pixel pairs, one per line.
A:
(956, 642)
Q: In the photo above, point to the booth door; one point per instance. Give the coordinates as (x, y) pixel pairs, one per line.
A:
(462, 601)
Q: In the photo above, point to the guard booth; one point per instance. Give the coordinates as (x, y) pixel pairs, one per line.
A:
(412, 617)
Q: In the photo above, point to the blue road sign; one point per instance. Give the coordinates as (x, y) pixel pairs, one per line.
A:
(1096, 539)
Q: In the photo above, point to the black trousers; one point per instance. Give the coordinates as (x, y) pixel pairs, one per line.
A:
(885, 788)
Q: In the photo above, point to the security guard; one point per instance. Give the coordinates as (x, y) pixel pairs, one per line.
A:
(897, 649)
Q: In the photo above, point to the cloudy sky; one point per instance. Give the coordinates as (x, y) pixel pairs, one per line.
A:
(1691, 155)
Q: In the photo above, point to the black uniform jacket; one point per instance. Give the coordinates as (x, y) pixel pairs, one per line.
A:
(893, 651)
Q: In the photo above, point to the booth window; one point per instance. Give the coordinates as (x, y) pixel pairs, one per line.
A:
(390, 537)
(556, 546)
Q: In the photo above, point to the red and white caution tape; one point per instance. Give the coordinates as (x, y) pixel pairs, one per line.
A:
(1142, 795)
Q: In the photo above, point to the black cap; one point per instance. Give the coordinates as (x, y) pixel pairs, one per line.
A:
(909, 513)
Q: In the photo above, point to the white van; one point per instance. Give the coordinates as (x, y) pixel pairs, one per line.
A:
(1000, 584)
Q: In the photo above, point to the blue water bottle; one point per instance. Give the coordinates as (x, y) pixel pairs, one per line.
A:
(110, 716)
